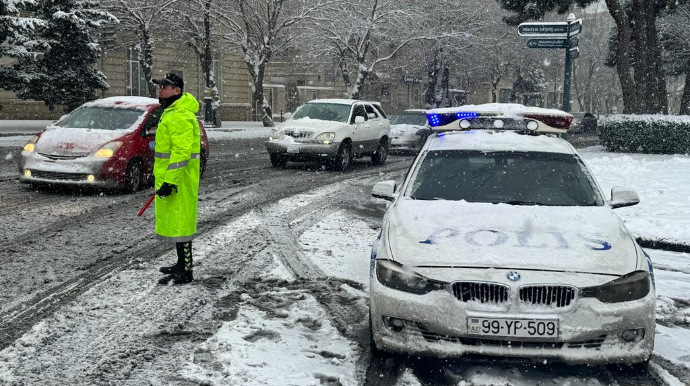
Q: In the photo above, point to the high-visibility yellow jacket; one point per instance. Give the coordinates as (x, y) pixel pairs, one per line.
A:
(177, 159)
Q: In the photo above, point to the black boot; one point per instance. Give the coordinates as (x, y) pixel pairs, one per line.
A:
(180, 273)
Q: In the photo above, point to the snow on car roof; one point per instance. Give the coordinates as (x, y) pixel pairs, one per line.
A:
(498, 141)
(508, 109)
(141, 103)
(336, 101)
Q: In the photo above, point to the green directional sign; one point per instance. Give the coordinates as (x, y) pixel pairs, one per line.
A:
(541, 29)
(547, 43)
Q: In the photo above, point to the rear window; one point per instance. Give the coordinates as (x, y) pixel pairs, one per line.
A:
(517, 178)
(418, 119)
(101, 118)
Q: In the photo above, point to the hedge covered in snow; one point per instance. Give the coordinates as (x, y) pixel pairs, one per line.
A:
(656, 134)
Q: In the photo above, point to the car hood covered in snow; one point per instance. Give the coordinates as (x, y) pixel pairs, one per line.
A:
(461, 234)
(66, 141)
(310, 125)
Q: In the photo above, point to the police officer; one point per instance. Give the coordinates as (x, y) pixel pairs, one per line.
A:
(176, 171)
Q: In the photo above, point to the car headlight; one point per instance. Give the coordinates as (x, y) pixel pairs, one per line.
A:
(31, 145)
(326, 138)
(275, 134)
(626, 288)
(397, 277)
(107, 150)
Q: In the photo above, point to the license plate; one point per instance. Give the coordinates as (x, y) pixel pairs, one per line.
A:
(293, 149)
(519, 328)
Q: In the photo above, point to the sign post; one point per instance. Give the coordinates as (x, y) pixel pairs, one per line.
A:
(560, 35)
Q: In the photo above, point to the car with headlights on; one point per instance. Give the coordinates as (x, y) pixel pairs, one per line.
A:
(331, 130)
(409, 131)
(103, 143)
(500, 242)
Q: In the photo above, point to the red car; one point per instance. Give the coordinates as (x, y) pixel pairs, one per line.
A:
(107, 142)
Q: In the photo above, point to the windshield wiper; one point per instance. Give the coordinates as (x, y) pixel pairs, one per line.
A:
(518, 202)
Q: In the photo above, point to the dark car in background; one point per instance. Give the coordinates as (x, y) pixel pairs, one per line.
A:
(409, 130)
(104, 143)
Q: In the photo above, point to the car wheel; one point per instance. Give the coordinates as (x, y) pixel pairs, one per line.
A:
(278, 161)
(202, 164)
(134, 176)
(379, 158)
(372, 342)
(343, 158)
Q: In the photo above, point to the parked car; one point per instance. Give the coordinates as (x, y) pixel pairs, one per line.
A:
(583, 123)
(500, 242)
(332, 130)
(409, 130)
(107, 143)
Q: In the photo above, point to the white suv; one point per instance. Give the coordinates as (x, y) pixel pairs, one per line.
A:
(334, 130)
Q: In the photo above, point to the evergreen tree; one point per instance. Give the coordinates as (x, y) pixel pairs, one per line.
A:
(66, 73)
(17, 39)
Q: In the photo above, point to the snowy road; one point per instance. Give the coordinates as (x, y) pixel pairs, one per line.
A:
(281, 292)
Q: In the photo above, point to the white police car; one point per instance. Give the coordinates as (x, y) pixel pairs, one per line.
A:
(500, 242)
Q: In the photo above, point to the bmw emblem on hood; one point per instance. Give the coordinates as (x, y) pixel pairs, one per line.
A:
(513, 276)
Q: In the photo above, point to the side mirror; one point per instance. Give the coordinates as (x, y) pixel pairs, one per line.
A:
(622, 196)
(384, 190)
(359, 120)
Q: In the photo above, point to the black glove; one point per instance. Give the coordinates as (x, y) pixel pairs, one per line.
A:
(166, 189)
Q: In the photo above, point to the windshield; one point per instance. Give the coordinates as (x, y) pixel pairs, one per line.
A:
(324, 111)
(518, 178)
(418, 119)
(103, 118)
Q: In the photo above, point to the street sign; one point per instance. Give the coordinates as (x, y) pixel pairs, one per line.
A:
(547, 43)
(575, 27)
(574, 53)
(412, 79)
(573, 42)
(559, 29)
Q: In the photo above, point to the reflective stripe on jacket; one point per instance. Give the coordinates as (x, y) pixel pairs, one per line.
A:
(177, 159)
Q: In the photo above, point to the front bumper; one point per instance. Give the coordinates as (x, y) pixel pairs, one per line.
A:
(106, 172)
(297, 150)
(436, 324)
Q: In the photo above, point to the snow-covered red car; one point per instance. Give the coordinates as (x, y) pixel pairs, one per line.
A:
(106, 143)
(500, 242)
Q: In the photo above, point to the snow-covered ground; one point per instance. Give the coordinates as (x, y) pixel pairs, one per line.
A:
(281, 336)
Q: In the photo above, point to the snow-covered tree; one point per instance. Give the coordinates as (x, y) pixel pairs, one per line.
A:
(66, 73)
(642, 80)
(529, 85)
(260, 29)
(372, 32)
(18, 38)
(140, 21)
(195, 28)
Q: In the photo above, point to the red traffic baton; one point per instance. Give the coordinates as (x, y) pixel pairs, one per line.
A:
(148, 202)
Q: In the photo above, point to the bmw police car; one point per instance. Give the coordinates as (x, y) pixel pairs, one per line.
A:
(500, 242)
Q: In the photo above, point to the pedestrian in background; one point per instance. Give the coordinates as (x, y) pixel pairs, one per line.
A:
(176, 172)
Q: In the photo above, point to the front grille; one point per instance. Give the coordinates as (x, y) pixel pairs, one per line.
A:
(56, 176)
(63, 156)
(481, 292)
(551, 296)
(298, 134)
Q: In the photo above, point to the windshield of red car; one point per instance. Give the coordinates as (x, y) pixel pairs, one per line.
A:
(102, 118)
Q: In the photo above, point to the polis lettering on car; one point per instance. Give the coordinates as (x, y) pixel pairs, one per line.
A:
(522, 237)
